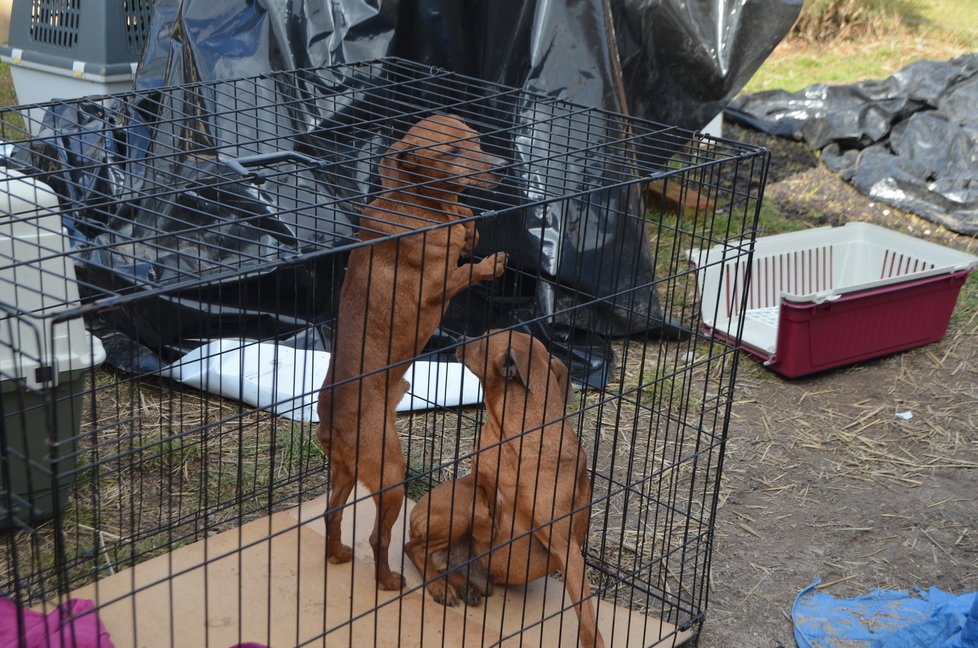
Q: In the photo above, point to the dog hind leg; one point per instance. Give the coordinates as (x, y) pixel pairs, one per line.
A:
(442, 525)
(340, 488)
(384, 476)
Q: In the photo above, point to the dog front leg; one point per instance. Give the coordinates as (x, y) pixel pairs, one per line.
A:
(469, 274)
(568, 558)
(420, 551)
(475, 505)
(471, 238)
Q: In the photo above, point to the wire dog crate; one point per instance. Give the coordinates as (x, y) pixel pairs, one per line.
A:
(206, 234)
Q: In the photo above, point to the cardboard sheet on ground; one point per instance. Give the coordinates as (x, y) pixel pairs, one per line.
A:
(268, 582)
(286, 381)
(885, 619)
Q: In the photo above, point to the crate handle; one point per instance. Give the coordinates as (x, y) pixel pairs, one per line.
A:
(239, 165)
(823, 298)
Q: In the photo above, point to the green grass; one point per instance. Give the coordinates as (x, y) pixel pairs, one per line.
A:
(925, 29)
(7, 95)
(951, 15)
(416, 489)
(795, 73)
(773, 221)
(12, 126)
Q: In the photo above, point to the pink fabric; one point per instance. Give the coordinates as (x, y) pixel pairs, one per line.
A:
(53, 630)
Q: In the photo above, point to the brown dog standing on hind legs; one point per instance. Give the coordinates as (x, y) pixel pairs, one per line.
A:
(393, 297)
(526, 502)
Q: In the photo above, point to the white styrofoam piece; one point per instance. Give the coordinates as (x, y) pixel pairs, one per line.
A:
(286, 381)
(36, 283)
(810, 266)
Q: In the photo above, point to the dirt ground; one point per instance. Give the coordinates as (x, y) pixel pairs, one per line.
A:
(822, 479)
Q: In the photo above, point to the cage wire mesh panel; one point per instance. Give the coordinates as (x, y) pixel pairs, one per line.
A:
(150, 469)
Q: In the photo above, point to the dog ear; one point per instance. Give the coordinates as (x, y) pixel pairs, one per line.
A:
(516, 364)
(398, 151)
(389, 169)
(563, 377)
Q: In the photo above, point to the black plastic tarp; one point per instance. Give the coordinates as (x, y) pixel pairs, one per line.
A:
(910, 141)
(670, 61)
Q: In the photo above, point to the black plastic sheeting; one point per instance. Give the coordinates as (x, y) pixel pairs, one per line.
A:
(910, 141)
(673, 61)
(670, 61)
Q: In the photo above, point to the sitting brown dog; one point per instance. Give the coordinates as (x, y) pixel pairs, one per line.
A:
(526, 504)
(393, 297)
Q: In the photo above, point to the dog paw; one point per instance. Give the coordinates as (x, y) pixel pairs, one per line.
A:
(439, 560)
(471, 596)
(478, 579)
(481, 585)
(339, 554)
(391, 581)
(500, 260)
(492, 266)
(443, 593)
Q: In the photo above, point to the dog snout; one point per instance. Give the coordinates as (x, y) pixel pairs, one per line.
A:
(493, 162)
(490, 178)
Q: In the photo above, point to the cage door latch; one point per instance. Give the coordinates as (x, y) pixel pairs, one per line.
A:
(44, 376)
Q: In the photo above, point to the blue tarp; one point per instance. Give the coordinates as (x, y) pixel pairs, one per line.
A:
(886, 619)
